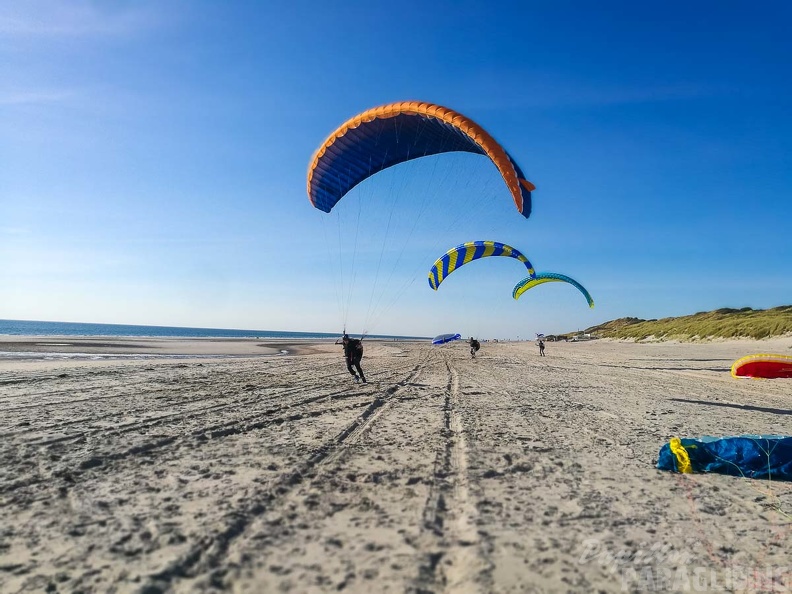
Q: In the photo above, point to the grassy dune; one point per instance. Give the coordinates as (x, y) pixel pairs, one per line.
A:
(721, 323)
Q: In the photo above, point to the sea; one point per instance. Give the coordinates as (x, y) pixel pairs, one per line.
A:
(63, 329)
(34, 328)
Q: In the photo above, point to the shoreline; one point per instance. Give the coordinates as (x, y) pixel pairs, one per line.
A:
(65, 350)
(175, 346)
(33, 352)
(257, 346)
(98, 349)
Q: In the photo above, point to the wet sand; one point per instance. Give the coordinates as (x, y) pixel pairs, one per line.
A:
(229, 466)
(153, 347)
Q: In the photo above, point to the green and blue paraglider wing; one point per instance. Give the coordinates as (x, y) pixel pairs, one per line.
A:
(549, 277)
(467, 252)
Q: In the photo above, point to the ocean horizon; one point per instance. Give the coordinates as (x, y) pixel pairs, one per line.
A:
(44, 328)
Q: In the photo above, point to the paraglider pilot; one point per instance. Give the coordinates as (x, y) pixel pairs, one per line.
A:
(353, 351)
(474, 346)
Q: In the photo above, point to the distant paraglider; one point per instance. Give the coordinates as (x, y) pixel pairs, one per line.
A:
(549, 277)
(398, 132)
(444, 338)
(468, 252)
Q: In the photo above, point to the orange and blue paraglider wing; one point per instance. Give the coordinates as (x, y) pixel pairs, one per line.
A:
(391, 134)
(469, 251)
(549, 277)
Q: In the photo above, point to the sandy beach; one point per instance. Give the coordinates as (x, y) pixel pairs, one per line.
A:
(163, 465)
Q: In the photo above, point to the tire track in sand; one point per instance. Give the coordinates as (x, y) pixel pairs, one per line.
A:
(207, 555)
(456, 563)
(198, 435)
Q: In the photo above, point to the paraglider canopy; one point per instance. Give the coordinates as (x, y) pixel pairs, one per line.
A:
(549, 277)
(398, 132)
(444, 338)
(470, 251)
(765, 366)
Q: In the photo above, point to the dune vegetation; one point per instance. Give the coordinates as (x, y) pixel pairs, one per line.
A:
(720, 323)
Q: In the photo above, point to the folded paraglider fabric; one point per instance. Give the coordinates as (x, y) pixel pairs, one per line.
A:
(748, 456)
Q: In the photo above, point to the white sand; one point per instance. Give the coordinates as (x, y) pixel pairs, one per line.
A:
(251, 473)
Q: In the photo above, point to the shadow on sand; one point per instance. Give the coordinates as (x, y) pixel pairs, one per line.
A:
(775, 411)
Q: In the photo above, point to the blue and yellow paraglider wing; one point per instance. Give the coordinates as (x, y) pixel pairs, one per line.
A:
(468, 252)
(390, 134)
(549, 277)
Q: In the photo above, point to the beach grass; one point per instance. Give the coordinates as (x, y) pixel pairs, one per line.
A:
(720, 323)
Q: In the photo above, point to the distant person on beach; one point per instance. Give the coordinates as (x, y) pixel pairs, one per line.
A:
(353, 352)
(474, 346)
(541, 348)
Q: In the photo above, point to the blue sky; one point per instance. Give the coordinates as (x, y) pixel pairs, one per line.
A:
(153, 159)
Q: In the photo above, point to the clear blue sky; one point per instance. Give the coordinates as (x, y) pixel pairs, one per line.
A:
(153, 159)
